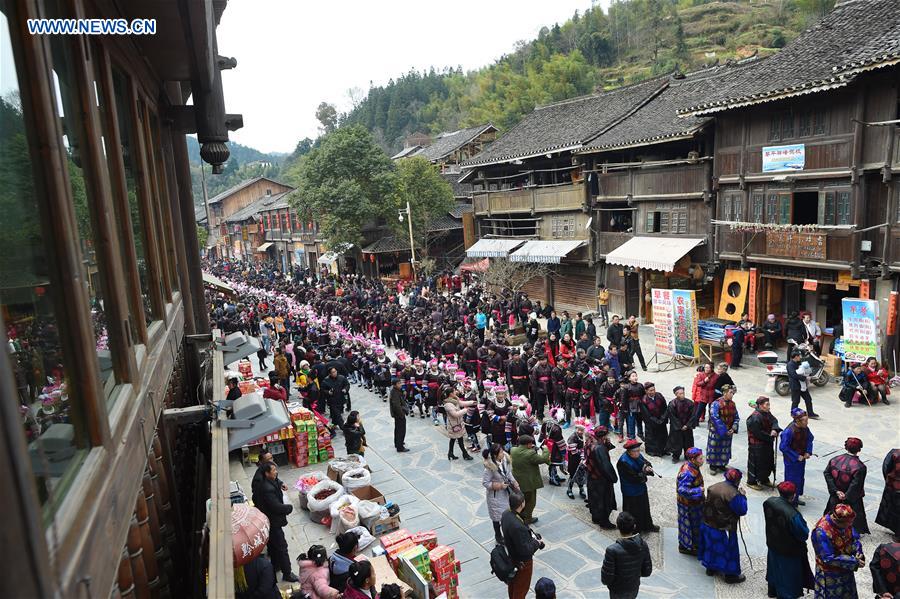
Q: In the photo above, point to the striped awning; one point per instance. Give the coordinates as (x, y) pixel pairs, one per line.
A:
(493, 248)
(547, 252)
(653, 253)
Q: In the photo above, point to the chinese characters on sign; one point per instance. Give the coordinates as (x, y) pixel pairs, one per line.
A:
(783, 158)
(860, 329)
(675, 322)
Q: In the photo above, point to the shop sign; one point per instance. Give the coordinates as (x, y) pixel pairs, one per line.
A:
(860, 329)
(892, 313)
(783, 158)
(675, 322)
(810, 284)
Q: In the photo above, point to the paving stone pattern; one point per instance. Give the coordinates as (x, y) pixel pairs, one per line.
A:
(434, 493)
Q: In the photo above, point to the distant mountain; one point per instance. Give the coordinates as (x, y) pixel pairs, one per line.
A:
(244, 163)
(239, 153)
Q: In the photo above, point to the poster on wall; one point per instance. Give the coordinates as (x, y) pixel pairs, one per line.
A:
(783, 158)
(860, 329)
(675, 322)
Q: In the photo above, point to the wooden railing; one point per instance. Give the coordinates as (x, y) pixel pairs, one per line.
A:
(831, 246)
(533, 199)
(221, 556)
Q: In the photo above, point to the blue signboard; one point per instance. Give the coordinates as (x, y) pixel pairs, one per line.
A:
(783, 158)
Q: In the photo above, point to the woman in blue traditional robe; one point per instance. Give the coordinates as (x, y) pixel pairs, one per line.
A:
(689, 487)
(796, 447)
(838, 554)
(723, 425)
(787, 566)
(724, 506)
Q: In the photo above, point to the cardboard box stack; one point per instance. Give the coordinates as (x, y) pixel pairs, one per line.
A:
(445, 570)
(246, 369)
(418, 557)
(395, 543)
(427, 538)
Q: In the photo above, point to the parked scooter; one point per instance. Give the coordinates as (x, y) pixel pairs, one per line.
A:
(778, 370)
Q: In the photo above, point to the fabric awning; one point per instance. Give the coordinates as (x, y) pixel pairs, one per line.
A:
(479, 266)
(547, 252)
(265, 246)
(493, 248)
(653, 253)
(217, 284)
(328, 257)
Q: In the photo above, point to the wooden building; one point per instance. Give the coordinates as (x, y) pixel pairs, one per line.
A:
(806, 147)
(235, 209)
(100, 290)
(289, 239)
(532, 185)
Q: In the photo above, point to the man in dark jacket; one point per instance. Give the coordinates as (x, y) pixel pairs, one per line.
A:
(787, 567)
(398, 413)
(615, 332)
(521, 545)
(334, 387)
(794, 380)
(626, 561)
(601, 478)
(264, 458)
(268, 498)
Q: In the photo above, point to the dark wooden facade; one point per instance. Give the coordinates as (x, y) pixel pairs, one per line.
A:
(112, 286)
(846, 188)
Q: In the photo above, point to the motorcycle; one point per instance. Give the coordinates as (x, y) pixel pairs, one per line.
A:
(777, 370)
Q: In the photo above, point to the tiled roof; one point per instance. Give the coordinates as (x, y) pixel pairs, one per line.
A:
(386, 244)
(460, 208)
(264, 203)
(236, 188)
(444, 222)
(406, 152)
(657, 120)
(460, 190)
(566, 125)
(856, 36)
(448, 142)
(200, 214)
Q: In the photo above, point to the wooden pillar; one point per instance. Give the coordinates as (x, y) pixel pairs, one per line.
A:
(148, 550)
(136, 557)
(125, 577)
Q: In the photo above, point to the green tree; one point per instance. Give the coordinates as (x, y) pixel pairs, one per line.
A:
(345, 183)
(326, 114)
(428, 193)
(202, 236)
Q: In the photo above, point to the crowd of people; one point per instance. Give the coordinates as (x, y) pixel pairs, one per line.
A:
(444, 350)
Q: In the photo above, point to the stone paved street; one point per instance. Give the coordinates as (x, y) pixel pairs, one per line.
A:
(447, 496)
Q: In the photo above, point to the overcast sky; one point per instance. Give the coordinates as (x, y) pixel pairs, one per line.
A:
(294, 54)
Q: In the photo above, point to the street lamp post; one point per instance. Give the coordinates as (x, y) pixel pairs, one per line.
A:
(412, 247)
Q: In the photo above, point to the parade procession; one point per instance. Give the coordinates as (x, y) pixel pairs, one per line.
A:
(610, 308)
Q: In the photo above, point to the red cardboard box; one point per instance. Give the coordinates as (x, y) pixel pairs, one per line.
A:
(443, 573)
(428, 538)
(442, 556)
(398, 536)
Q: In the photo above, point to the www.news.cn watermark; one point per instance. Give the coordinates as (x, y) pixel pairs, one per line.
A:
(92, 26)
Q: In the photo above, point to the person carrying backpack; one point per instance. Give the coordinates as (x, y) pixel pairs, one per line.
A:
(521, 544)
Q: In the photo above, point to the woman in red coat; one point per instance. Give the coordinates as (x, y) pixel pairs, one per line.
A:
(878, 378)
(567, 348)
(704, 389)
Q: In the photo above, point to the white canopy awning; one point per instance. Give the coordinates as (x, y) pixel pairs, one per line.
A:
(652, 253)
(548, 252)
(264, 246)
(493, 248)
(328, 257)
(217, 284)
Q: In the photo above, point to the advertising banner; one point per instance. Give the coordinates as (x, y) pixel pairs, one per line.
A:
(783, 158)
(675, 322)
(860, 329)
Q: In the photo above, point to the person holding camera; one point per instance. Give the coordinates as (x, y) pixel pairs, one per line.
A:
(626, 561)
(521, 545)
(526, 468)
(633, 471)
(498, 482)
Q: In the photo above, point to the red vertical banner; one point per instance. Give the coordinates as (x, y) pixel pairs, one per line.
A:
(864, 289)
(751, 294)
(892, 313)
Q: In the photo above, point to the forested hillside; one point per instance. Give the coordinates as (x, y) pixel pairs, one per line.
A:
(633, 40)
(243, 163)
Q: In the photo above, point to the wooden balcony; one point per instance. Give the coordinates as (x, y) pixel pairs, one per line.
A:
(608, 241)
(530, 200)
(654, 182)
(834, 247)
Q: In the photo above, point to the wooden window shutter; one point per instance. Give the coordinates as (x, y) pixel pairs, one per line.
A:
(843, 208)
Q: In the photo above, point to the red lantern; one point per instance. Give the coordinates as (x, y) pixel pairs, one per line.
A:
(39, 291)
